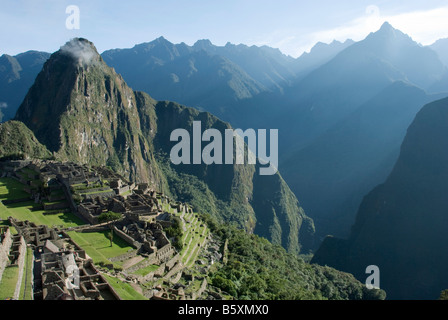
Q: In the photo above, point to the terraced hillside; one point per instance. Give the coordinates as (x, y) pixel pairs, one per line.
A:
(153, 248)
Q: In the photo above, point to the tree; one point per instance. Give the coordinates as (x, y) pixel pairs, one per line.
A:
(175, 231)
(109, 217)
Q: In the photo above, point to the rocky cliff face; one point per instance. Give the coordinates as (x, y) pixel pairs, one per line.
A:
(17, 74)
(401, 225)
(84, 112)
(17, 141)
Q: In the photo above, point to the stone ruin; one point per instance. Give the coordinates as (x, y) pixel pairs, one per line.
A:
(148, 237)
(141, 226)
(34, 235)
(68, 275)
(12, 254)
(56, 256)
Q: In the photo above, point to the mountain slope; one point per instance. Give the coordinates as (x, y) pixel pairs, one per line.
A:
(202, 80)
(84, 112)
(355, 75)
(17, 74)
(16, 140)
(352, 157)
(401, 224)
(441, 47)
(266, 65)
(184, 74)
(320, 54)
(80, 109)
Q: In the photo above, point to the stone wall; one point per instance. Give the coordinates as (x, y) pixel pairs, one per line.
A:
(176, 278)
(127, 238)
(201, 290)
(25, 199)
(170, 264)
(125, 256)
(152, 259)
(22, 266)
(109, 194)
(160, 271)
(4, 251)
(56, 206)
(177, 268)
(164, 253)
(86, 215)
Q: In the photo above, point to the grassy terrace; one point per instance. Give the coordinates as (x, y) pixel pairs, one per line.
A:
(29, 211)
(124, 290)
(11, 189)
(97, 246)
(146, 270)
(94, 192)
(194, 233)
(8, 283)
(26, 289)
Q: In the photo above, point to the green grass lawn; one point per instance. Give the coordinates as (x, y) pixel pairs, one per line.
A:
(8, 283)
(27, 211)
(26, 290)
(97, 245)
(11, 189)
(124, 290)
(144, 271)
(96, 192)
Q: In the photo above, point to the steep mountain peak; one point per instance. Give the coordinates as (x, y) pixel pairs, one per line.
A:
(386, 26)
(161, 40)
(202, 44)
(441, 47)
(388, 32)
(82, 51)
(331, 49)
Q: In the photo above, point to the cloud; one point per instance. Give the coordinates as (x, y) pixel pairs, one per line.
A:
(81, 50)
(3, 105)
(423, 26)
(356, 29)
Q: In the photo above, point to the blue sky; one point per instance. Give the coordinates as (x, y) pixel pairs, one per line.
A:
(293, 26)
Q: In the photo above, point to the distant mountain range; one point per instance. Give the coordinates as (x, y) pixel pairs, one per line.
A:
(441, 47)
(353, 156)
(308, 99)
(342, 131)
(17, 74)
(205, 76)
(401, 225)
(81, 110)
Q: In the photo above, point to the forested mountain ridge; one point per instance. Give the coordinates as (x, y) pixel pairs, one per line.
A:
(83, 111)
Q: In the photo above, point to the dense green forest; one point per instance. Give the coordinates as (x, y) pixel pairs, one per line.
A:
(257, 269)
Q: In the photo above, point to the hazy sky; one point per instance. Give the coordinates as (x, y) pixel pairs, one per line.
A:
(293, 26)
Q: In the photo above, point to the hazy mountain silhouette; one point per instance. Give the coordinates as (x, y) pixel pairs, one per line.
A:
(441, 47)
(17, 74)
(333, 91)
(401, 225)
(320, 54)
(83, 111)
(342, 165)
